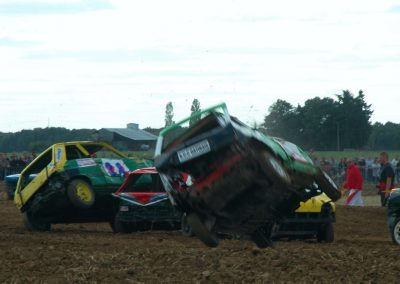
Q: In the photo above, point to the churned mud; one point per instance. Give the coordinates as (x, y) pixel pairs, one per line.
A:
(362, 252)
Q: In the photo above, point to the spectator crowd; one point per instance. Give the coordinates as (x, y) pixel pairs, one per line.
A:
(370, 168)
(13, 163)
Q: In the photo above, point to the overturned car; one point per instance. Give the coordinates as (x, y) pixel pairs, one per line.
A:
(242, 181)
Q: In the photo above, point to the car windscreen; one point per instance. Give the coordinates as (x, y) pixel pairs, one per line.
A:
(40, 163)
(99, 151)
(145, 183)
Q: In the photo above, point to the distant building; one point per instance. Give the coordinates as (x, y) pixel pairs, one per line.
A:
(129, 138)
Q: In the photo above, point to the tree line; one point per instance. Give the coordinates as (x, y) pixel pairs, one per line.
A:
(39, 139)
(320, 124)
(327, 124)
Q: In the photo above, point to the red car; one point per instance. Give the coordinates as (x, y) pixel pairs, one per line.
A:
(143, 204)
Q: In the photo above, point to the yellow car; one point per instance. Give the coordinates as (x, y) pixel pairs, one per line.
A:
(73, 183)
(313, 219)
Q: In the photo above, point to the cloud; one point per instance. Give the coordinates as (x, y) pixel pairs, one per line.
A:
(103, 64)
(23, 8)
(394, 9)
(9, 42)
(108, 55)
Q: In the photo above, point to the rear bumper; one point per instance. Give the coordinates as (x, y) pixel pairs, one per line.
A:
(303, 224)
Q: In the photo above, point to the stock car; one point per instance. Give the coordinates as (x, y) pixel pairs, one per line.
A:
(73, 183)
(393, 205)
(142, 204)
(313, 219)
(244, 181)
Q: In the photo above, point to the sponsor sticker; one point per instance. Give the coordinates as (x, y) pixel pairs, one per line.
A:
(85, 162)
(114, 168)
(58, 154)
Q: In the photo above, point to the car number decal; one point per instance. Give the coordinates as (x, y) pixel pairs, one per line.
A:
(194, 151)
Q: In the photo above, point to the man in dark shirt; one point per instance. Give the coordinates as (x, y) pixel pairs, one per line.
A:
(386, 179)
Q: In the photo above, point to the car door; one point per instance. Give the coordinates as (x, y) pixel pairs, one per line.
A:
(44, 166)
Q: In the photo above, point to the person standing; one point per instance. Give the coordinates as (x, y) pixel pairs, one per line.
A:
(386, 179)
(354, 184)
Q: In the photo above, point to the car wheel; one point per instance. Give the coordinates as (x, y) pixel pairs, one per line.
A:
(395, 232)
(327, 185)
(200, 230)
(326, 233)
(274, 169)
(33, 224)
(80, 193)
(120, 227)
(185, 227)
(262, 237)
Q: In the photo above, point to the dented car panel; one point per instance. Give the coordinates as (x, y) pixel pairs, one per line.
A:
(74, 182)
(243, 180)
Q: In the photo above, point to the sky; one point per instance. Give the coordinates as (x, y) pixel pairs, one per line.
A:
(100, 63)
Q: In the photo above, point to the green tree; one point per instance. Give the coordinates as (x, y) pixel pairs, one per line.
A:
(195, 108)
(353, 118)
(38, 139)
(169, 114)
(318, 117)
(384, 136)
(322, 123)
(282, 121)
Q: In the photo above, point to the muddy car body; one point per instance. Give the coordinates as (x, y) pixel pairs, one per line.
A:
(243, 181)
(142, 204)
(73, 183)
(393, 206)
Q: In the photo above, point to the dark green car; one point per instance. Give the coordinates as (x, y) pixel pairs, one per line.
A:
(243, 181)
(73, 183)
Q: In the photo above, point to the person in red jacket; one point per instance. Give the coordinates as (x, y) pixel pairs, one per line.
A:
(353, 183)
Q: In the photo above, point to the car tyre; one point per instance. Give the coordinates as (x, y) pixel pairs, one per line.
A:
(274, 169)
(201, 231)
(327, 185)
(262, 238)
(120, 227)
(33, 224)
(395, 232)
(81, 194)
(326, 233)
(185, 227)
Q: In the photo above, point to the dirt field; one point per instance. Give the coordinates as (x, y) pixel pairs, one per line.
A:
(362, 252)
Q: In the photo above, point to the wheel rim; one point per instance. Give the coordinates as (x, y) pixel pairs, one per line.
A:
(83, 192)
(396, 232)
